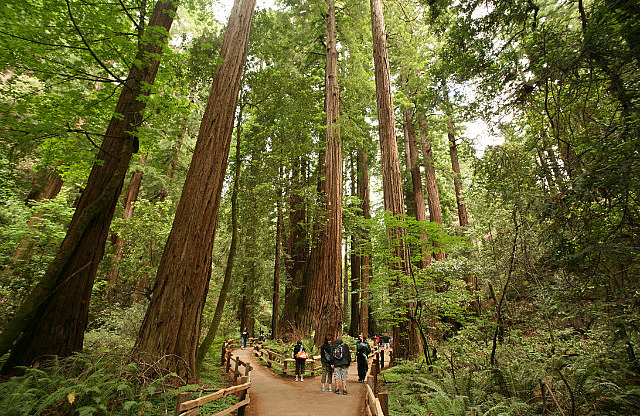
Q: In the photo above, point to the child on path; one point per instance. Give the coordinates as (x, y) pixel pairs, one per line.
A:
(326, 358)
(301, 358)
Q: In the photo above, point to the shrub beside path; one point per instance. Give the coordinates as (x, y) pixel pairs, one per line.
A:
(274, 395)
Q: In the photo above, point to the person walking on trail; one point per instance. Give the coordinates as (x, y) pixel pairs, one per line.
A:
(362, 354)
(326, 358)
(385, 340)
(301, 356)
(244, 337)
(341, 360)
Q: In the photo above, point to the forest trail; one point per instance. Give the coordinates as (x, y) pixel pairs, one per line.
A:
(274, 395)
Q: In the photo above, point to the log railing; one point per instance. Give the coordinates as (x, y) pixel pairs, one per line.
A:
(285, 364)
(186, 407)
(376, 402)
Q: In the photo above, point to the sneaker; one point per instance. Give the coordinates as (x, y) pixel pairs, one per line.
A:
(330, 388)
(337, 391)
(301, 378)
(344, 392)
(322, 388)
(296, 378)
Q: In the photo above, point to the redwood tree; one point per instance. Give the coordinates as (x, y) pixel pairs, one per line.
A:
(170, 331)
(53, 318)
(403, 328)
(321, 298)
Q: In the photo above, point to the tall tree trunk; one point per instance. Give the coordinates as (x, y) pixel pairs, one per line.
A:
(133, 190)
(323, 304)
(228, 271)
(413, 166)
(364, 257)
(354, 323)
(52, 320)
(170, 331)
(463, 216)
(433, 195)
(391, 182)
(297, 250)
(275, 304)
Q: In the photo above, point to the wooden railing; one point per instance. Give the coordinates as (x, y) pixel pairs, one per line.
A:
(285, 364)
(186, 407)
(376, 402)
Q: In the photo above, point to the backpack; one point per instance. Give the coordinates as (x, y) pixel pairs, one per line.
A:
(327, 356)
(337, 352)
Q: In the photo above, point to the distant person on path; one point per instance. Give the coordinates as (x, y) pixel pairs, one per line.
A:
(261, 336)
(326, 358)
(301, 358)
(362, 354)
(244, 337)
(341, 360)
(385, 340)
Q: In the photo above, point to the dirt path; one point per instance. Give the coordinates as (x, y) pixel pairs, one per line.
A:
(274, 395)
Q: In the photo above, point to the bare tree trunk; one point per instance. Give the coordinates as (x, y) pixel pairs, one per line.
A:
(354, 322)
(54, 316)
(433, 195)
(228, 271)
(170, 331)
(391, 179)
(325, 298)
(131, 196)
(364, 258)
(297, 250)
(275, 304)
(411, 149)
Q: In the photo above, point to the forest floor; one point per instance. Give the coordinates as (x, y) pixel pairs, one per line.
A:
(272, 394)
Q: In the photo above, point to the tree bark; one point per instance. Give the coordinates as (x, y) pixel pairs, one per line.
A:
(365, 258)
(433, 195)
(228, 271)
(54, 317)
(133, 190)
(413, 166)
(391, 180)
(170, 331)
(356, 277)
(275, 304)
(322, 297)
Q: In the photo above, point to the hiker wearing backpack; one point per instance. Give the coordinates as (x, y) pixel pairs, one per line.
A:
(341, 360)
(326, 358)
(301, 358)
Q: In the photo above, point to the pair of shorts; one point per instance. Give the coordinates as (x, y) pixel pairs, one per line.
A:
(327, 373)
(341, 373)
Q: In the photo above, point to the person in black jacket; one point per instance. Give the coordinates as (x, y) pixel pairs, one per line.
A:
(300, 361)
(326, 358)
(362, 354)
(341, 361)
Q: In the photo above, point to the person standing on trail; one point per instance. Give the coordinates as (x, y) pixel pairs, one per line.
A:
(362, 354)
(341, 360)
(301, 358)
(326, 358)
(244, 337)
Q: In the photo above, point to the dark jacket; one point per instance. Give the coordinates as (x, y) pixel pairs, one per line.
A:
(362, 351)
(346, 354)
(325, 351)
(296, 350)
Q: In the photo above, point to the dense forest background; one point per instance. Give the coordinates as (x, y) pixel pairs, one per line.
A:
(507, 273)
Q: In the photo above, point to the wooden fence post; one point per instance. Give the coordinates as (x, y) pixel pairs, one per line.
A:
(384, 402)
(182, 397)
(247, 369)
(381, 360)
(243, 395)
(222, 353)
(235, 370)
(228, 361)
